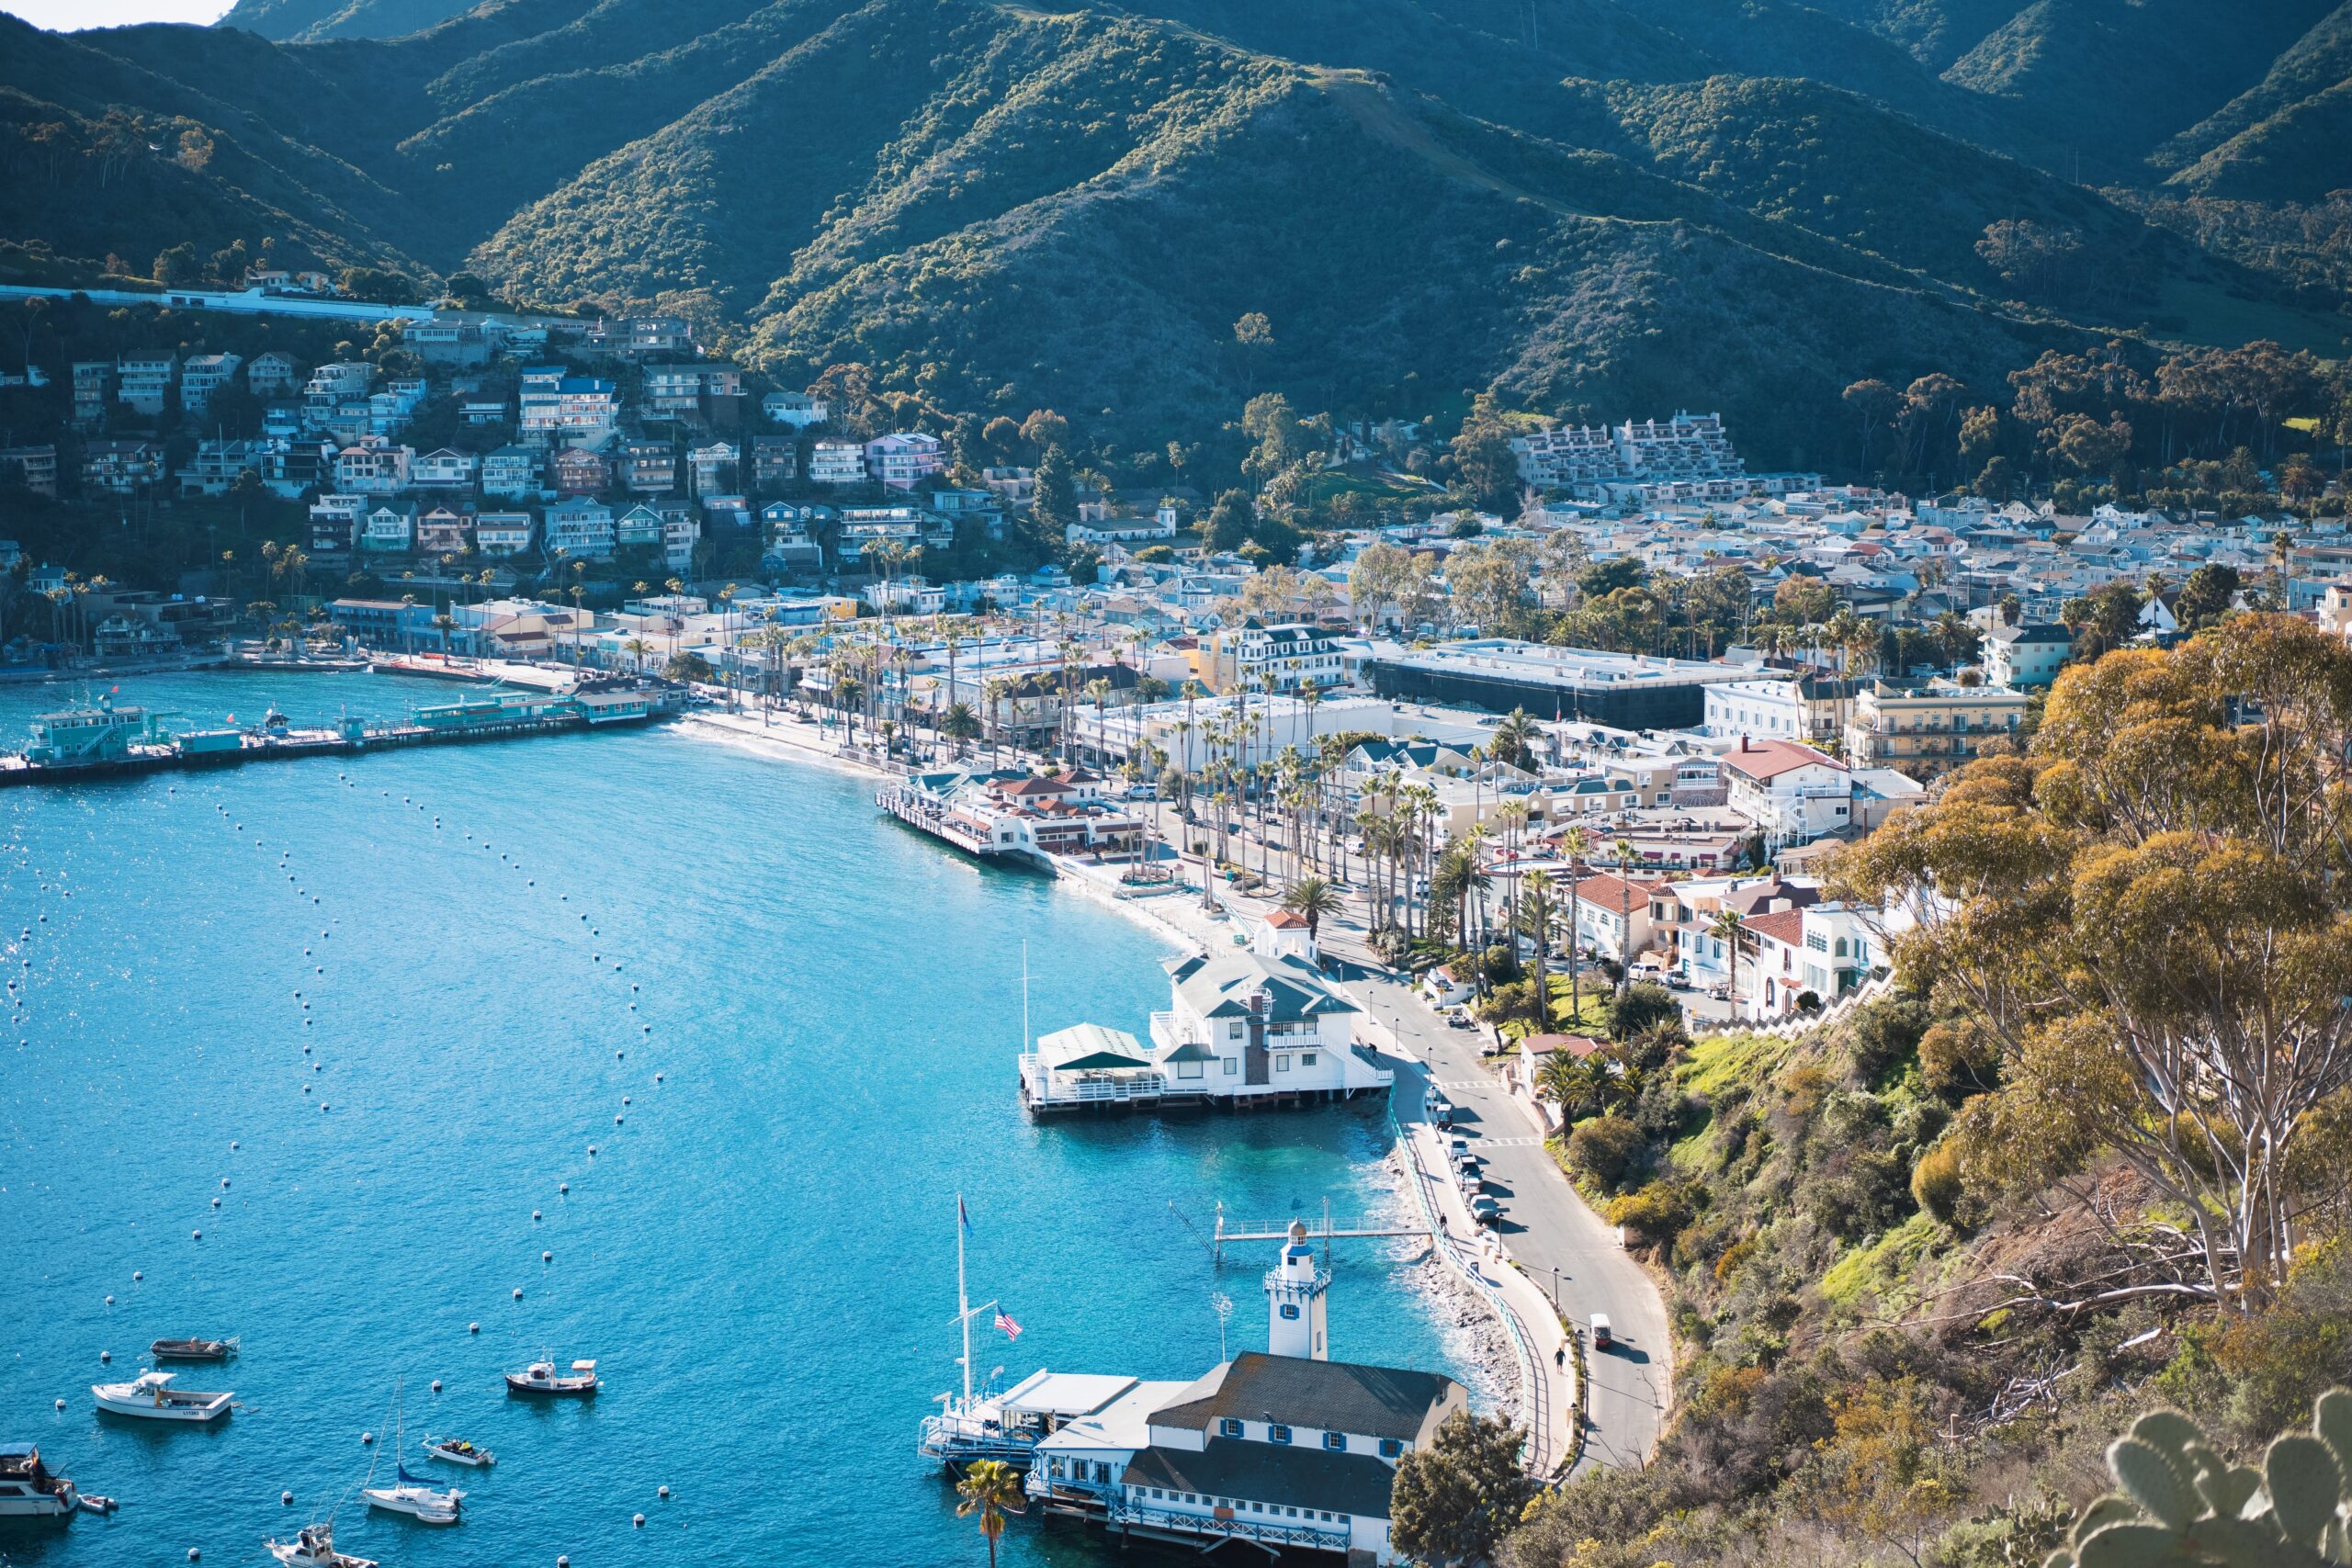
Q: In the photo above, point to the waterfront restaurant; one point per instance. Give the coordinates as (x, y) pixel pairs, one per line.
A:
(1241, 1029)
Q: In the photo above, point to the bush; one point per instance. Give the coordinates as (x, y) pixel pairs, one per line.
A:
(1658, 1211)
(1884, 1034)
(1607, 1149)
(1936, 1183)
(1642, 1007)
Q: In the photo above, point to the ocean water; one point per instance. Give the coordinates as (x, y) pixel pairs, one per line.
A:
(759, 1256)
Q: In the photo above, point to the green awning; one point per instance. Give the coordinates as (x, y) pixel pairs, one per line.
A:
(1090, 1047)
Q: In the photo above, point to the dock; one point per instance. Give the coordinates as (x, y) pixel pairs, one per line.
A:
(105, 742)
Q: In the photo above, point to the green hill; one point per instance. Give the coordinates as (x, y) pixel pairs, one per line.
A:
(1594, 205)
(2284, 139)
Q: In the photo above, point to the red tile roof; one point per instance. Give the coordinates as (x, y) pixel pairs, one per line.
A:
(1764, 759)
(1786, 927)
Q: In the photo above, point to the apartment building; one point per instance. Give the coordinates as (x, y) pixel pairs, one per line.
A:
(203, 375)
(1930, 729)
(837, 463)
(2026, 656)
(143, 381)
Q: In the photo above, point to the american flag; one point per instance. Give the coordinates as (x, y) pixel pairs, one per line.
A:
(1004, 1321)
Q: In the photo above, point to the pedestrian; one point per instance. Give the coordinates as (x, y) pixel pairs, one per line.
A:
(1560, 1356)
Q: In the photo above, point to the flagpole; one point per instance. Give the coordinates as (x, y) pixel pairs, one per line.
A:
(963, 1302)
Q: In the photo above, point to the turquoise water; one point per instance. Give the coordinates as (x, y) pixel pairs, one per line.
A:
(761, 1257)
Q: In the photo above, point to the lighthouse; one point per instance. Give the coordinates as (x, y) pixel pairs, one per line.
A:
(1295, 1290)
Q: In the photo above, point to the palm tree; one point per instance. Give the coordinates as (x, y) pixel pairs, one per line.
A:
(1535, 913)
(1571, 1081)
(1725, 928)
(1514, 739)
(1313, 898)
(1624, 847)
(1575, 843)
(991, 1488)
(959, 725)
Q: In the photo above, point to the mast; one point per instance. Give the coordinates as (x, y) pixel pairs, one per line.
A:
(962, 1301)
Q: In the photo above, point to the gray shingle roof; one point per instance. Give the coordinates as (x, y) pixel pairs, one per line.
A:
(1339, 1396)
(1220, 987)
(1270, 1473)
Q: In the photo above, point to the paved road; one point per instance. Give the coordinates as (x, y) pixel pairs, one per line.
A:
(1546, 1225)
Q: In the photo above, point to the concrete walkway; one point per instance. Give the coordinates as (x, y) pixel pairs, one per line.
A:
(1567, 1251)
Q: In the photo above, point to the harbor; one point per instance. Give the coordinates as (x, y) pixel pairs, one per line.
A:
(760, 1196)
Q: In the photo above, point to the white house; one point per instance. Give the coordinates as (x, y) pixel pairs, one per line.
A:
(389, 529)
(2027, 655)
(904, 459)
(502, 533)
(1793, 793)
(797, 410)
(836, 463)
(1241, 1028)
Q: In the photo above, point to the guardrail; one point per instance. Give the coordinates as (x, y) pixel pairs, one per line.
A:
(1533, 1385)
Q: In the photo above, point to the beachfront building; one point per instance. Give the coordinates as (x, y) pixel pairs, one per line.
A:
(1629, 690)
(1249, 1028)
(1285, 1449)
(1793, 793)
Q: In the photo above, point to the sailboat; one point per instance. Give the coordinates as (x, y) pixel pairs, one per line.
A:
(415, 1496)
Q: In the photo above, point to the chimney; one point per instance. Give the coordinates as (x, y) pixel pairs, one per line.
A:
(1742, 740)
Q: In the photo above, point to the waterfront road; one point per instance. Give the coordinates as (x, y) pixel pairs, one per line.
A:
(1545, 1224)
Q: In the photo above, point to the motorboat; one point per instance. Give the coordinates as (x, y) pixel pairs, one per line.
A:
(28, 1491)
(541, 1379)
(313, 1547)
(417, 1497)
(457, 1451)
(193, 1349)
(150, 1396)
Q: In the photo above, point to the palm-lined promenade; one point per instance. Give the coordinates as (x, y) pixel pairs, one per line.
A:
(1365, 890)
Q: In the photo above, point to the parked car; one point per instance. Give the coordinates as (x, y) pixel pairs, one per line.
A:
(1485, 1210)
(1460, 1019)
(1460, 1150)
(1602, 1340)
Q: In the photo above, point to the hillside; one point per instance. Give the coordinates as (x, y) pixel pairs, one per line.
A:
(2283, 139)
(1593, 205)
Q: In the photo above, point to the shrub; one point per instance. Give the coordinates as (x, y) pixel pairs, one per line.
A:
(1658, 1211)
(1884, 1034)
(1642, 1007)
(1607, 1149)
(1936, 1183)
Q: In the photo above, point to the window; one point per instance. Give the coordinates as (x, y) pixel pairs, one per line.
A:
(1229, 1428)
(1290, 1310)
(1232, 1065)
(1306, 1058)
(1190, 1069)
(1236, 1030)
(1281, 1434)
(1390, 1448)
(1281, 1061)
(1336, 1441)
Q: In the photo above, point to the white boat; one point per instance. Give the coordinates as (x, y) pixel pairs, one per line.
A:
(28, 1491)
(541, 1378)
(457, 1451)
(313, 1547)
(416, 1498)
(150, 1396)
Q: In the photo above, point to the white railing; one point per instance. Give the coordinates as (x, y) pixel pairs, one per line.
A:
(1088, 1088)
(1242, 1526)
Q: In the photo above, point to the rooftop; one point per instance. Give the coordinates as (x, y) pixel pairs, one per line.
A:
(1339, 1396)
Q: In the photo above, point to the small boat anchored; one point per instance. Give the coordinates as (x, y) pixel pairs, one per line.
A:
(457, 1451)
(415, 1496)
(313, 1547)
(542, 1380)
(193, 1349)
(28, 1491)
(152, 1397)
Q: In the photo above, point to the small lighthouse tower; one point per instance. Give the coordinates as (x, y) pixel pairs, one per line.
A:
(1295, 1290)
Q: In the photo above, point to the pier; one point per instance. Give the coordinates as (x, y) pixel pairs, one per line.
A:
(105, 742)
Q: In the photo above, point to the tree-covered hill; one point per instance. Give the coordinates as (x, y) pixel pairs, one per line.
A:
(1595, 204)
